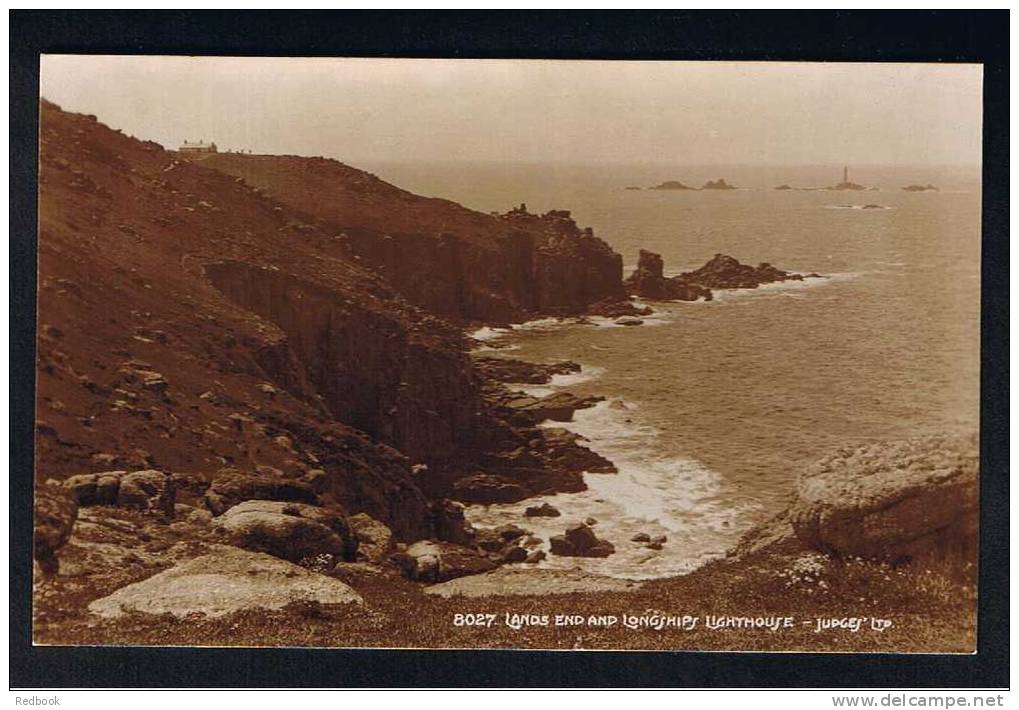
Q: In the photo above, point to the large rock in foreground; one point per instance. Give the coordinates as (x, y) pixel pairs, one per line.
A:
(892, 500)
(291, 531)
(231, 486)
(224, 581)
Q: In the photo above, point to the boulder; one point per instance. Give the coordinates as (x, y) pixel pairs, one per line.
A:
(891, 500)
(223, 581)
(449, 523)
(291, 531)
(147, 490)
(628, 321)
(534, 557)
(581, 536)
(95, 488)
(231, 486)
(430, 561)
(513, 554)
(580, 541)
(511, 532)
(54, 511)
(545, 510)
(641, 537)
(375, 540)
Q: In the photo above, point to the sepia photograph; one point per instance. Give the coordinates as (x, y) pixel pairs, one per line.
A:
(424, 353)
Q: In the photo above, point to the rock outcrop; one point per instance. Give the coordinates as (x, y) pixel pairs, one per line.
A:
(920, 188)
(720, 272)
(502, 369)
(225, 580)
(724, 271)
(375, 540)
(54, 513)
(671, 185)
(648, 281)
(896, 500)
(291, 531)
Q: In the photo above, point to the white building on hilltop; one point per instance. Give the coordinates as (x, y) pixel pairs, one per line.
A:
(198, 147)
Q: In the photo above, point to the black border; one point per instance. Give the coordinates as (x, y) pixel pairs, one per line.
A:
(958, 36)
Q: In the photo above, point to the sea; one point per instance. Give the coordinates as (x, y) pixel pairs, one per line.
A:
(712, 408)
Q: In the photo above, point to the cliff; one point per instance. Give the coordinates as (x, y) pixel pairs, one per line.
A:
(447, 259)
(194, 325)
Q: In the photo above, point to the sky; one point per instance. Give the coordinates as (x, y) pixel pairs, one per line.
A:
(376, 110)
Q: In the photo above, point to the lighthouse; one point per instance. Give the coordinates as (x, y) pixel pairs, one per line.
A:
(845, 173)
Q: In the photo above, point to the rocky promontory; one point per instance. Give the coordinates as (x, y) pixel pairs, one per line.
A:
(720, 272)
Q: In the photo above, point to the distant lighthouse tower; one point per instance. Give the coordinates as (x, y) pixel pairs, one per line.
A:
(845, 173)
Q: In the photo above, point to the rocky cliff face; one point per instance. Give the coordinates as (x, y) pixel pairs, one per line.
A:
(447, 259)
(194, 325)
(188, 323)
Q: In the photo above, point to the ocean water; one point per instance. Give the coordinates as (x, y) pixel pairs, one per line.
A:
(714, 407)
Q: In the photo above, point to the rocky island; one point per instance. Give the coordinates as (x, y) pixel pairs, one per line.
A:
(920, 188)
(671, 185)
(719, 184)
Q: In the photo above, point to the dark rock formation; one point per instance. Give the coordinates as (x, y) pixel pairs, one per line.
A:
(671, 185)
(545, 510)
(920, 188)
(525, 410)
(518, 371)
(580, 541)
(488, 488)
(648, 281)
(719, 184)
(784, 187)
(618, 309)
(726, 272)
(566, 450)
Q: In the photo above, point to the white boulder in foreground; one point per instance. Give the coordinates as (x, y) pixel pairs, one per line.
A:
(507, 581)
(894, 499)
(225, 580)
